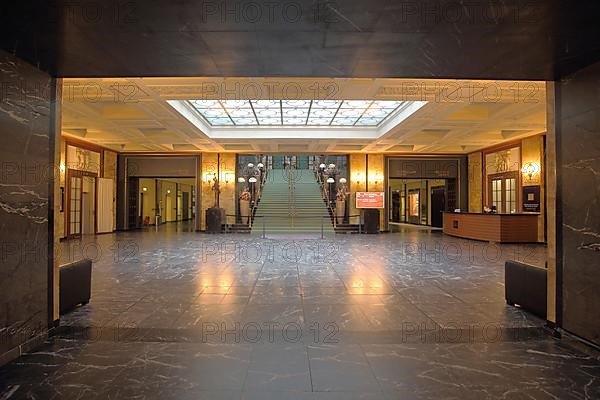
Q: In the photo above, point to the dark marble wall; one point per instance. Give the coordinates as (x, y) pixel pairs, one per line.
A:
(578, 142)
(26, 140)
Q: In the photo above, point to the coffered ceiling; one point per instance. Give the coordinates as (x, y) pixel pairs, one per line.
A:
(137, 114)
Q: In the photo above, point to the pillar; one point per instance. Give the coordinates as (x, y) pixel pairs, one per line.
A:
(578, 202)
(28, 152)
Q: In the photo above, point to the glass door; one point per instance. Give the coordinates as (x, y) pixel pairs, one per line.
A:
(510, 195)
(133, 203)
(75, 189)
(395, 205)
(414, 206)
(503, 193)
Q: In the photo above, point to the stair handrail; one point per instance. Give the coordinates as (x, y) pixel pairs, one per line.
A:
(291, 193)
(326, 198)
(258, 196)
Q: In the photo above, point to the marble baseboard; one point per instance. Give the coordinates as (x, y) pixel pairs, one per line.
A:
(27, 347)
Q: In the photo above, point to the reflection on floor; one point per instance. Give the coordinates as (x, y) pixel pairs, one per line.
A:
(413, 315)
(172, 227)
(404, 227)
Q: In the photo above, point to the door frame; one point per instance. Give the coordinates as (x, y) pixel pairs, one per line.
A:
(444, 190)
(503, 176)
(409, 217)
(74, 173)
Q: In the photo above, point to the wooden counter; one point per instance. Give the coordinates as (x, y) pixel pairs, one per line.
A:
(501, 228)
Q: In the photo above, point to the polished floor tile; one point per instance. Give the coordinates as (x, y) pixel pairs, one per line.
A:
(342, 368)
(408, 315)
(278, 368)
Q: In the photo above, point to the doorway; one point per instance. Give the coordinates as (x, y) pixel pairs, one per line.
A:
(421, 201)
(161, 200)
(81, 204)
(414, 206)
(185, 199)
(169, 207)
(502, 191)
(133, 203)
(438, 205)
(88, 209)
(396, 205)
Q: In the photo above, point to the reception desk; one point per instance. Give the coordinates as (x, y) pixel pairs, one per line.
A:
(501, 228)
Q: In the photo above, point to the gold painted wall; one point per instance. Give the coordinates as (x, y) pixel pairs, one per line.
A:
(228, 184)
(475, 164)
(60, 221)
(376, 179)
(532, 150)
(110, 172)
(209, 167)
(224, 164)
(357, 182)
(360, 175)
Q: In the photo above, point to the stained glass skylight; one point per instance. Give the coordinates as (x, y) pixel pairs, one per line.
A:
(363, 113)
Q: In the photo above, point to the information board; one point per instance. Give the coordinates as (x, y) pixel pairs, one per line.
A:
(370, 199)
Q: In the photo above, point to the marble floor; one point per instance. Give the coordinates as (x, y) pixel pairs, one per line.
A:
(409, 315)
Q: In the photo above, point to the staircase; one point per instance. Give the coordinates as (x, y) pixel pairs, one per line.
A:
(295, 208)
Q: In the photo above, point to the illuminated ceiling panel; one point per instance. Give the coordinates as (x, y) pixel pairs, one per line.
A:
(313, 113)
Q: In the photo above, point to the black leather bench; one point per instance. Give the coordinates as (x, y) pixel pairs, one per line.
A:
(526, 286)
(75, 284)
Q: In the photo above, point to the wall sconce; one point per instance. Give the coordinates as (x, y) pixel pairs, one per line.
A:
(168, 191)
(377, 178)
(208, 177)
(145, 189)
(358, 178)
(530, 169)
(226, 177)
(62, 168)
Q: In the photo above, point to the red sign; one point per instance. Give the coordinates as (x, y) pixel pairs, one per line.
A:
(370, 199)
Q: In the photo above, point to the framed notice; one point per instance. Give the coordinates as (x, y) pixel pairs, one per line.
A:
(531, 199)
(370, 199)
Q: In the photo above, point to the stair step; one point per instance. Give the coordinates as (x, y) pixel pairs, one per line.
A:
(274, 207)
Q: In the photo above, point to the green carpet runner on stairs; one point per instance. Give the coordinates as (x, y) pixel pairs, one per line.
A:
(301, 211)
